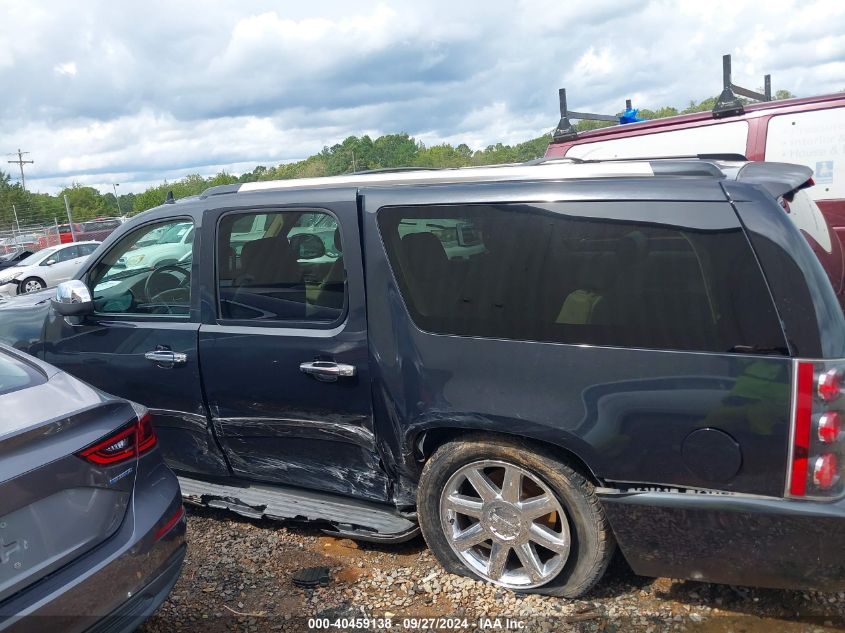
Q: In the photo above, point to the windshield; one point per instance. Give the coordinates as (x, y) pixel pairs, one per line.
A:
(174, 234)
(36, 258)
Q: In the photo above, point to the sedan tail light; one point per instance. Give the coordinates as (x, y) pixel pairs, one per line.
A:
(114, 449)
(127, 443)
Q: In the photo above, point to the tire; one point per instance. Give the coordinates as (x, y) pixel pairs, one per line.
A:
(568, 571)
(31, 282)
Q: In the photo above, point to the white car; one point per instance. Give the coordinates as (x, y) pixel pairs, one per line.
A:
(45, 268)
(160, 247)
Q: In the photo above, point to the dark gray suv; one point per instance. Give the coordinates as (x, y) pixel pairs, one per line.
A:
(530, 363)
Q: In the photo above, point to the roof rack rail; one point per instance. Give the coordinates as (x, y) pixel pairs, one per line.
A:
(564, 130)
(553, 159)
(724, 157)
(728, 104)
(391, 170)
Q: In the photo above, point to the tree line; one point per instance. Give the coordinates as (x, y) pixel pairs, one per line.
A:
(352, 154)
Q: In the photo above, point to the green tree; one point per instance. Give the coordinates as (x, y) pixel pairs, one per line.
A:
(85, 202)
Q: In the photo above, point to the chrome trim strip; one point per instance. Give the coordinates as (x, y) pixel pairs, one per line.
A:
(793, 402)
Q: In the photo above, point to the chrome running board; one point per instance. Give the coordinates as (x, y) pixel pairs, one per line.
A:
(350, 517)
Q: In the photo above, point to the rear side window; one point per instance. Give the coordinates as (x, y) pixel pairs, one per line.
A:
(281, 266)
(15, 375)
(532, 273)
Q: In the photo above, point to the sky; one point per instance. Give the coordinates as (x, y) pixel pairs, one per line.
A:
(103, 92)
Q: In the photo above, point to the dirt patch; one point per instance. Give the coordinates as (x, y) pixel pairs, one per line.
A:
(237, 577)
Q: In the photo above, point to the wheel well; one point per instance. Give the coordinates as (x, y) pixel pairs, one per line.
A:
(25, 279)
(429, 441)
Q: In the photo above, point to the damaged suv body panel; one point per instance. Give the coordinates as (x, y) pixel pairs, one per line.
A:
(319, 340)
(280, 415)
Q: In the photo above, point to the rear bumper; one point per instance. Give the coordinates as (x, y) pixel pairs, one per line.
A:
(764, 542)
(132, 613)
(122, 581)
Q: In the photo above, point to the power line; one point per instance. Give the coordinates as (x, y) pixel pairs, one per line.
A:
(21, 162)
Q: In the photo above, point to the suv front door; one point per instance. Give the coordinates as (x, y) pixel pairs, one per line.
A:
(141, 342)
(283, 346)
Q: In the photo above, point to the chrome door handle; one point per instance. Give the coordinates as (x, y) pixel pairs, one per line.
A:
(166, 357)
(327, 371)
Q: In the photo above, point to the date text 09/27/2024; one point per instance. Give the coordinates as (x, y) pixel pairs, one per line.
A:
(417, 624)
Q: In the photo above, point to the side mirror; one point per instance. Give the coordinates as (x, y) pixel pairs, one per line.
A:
(73, 299)
(50, 262)
(308, 246)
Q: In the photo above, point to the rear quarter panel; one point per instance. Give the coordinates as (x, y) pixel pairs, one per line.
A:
(624, 412)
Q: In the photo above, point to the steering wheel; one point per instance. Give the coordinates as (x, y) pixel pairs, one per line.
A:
(168, 284)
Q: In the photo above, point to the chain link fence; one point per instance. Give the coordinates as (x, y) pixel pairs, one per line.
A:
(34, 237)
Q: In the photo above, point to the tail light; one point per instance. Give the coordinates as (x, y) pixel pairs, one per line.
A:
(829, 427)
(830, 382)
(146, 434)
(127, 443)
(817, 446)
(170, 523)
(114, 449)
(825, 471)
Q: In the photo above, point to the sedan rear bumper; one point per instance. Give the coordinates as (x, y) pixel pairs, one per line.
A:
(132, 613)
(731, 539)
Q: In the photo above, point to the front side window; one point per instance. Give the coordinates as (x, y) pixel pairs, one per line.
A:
(280, 266)
(87, 249)
(65, 254)
(530, 273)
(147, 272)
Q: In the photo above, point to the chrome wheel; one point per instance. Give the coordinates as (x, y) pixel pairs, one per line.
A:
(505, 524)
(32, 285)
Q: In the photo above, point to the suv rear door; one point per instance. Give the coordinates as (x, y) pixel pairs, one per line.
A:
(283, 343)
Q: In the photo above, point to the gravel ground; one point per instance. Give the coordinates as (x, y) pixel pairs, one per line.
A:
(237, 577)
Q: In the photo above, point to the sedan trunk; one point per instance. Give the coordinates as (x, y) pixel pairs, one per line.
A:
(54, 504)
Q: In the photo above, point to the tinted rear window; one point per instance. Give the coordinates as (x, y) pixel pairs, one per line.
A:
(15, 375)
(528, 273)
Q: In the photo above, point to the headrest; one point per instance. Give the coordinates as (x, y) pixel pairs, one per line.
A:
(632, 248)
(337, 243)
(423, 249)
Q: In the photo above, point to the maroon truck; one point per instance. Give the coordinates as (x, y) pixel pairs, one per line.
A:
(97, 229)
(808, 131)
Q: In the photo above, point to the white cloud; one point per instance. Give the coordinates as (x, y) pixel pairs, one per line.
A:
(67, 68)
(592, 63)
(231, 85)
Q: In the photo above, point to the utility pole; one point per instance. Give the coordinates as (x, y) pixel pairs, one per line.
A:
(21, 162)
(115, 186)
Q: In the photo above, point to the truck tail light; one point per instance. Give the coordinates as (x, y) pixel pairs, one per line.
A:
(816, 451)
(127, 443)
(825, 471)
(830, 383)
(829, 426)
